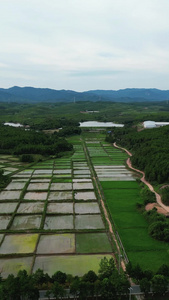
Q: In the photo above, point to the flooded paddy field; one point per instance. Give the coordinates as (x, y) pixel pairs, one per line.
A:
(26, 208)
(19, 243)
(55, 206)
(88, 222)
(26, 222)
(70, 264)
(59, 222)
(87, 208)
(37, 196)
(56, 243)
(60, 208)
(8, 208)
(10, 195)
(85, 196)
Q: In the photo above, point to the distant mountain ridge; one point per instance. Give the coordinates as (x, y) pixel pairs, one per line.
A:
(31, 94)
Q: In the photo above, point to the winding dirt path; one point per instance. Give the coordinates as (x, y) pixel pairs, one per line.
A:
(158, 197)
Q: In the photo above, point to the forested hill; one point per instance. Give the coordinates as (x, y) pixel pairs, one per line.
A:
(31, 94)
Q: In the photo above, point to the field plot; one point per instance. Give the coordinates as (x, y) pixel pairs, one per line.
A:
(59, 222)
(85, 196)
(59, 196)
(70, 264)
(14, 265)
(83, 186)
(121, 198)
(62, 171)
(45, 171)
(60, 208)
(26, 208)
(92, 243)
(38, 186)
(7, 208)
(15, 186)
(56, 243)
(88, 222)
(10, 195)
(26, 222)
(87, 208)
(61, 186)
(40, 180)
(38, 196)
(4, 221)
(19, 243)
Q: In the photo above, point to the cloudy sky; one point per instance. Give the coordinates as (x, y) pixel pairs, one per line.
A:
(84, 44)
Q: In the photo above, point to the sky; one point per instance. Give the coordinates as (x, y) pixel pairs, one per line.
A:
(84, 44)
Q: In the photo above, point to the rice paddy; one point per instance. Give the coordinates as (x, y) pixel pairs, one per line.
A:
(50, 215)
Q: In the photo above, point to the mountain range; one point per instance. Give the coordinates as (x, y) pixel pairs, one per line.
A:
(31, 94)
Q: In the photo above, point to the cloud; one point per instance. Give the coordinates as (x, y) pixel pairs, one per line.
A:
(91, 38)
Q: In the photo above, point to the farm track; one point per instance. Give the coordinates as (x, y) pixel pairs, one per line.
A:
(151, 188)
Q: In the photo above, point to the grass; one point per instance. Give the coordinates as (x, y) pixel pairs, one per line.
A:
(120, 185)
(121, 199)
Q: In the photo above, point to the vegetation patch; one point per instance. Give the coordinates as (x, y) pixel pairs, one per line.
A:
(92, 243)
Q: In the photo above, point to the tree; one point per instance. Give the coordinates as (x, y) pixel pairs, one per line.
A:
(57, 290)
(164, 270)
(74, 287)
(90, 276)
(106, 268)
(40, 277)
(145, 286)
(159, 284)
(60, 277)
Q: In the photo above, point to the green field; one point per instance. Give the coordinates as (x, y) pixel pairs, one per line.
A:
(92, 243)
(121, 199)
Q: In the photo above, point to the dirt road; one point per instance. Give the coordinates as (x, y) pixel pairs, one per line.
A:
(158, 197)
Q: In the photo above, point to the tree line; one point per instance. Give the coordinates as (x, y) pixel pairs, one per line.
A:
(108, 284)
(18, 141)
(156, 282)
